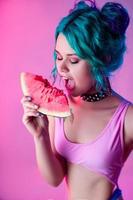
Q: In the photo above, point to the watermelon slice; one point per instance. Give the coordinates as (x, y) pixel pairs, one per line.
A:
(51, 101)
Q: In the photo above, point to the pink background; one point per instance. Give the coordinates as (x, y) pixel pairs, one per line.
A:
(26, 44)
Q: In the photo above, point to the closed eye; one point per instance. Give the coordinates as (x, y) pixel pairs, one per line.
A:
(74, 62)
(71, 61)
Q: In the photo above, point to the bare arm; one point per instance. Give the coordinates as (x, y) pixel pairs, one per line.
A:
(51, 165)
(41, 127)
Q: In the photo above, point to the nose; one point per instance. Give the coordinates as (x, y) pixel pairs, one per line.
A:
(62, 67)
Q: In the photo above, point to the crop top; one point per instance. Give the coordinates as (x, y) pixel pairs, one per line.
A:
(104, 154)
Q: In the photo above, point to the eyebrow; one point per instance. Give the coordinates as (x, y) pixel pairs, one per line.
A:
(69, 54)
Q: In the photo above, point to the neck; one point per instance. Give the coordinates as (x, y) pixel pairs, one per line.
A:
(97, 96)
(78, 102)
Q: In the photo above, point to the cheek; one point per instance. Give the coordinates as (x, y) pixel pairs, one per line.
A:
(86, 82)
(85, 79)
(84, 75)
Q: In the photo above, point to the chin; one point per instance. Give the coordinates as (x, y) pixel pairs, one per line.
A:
(75, 95)
(78, 92)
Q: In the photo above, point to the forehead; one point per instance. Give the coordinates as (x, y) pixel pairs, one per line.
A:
(62, 45)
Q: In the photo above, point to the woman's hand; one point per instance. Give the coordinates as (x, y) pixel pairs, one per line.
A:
(35, 122)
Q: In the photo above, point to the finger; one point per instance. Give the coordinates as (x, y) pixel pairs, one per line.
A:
(28, 115)
(34, 113)
(26, 98)
(30, 105)
(27, 109)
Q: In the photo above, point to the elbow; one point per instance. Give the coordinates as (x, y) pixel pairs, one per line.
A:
(55, 182)
(58, 179)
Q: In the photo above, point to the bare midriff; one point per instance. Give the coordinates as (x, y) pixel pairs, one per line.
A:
(84, 184)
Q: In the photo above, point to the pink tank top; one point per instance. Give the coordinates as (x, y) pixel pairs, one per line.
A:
(104, 154)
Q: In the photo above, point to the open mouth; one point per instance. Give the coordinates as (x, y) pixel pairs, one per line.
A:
(69, 84)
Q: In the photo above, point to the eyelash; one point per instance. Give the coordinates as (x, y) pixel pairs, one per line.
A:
(75, 62)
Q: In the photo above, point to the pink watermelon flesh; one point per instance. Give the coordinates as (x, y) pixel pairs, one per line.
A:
(51, 101)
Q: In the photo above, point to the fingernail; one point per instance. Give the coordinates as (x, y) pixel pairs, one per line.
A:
(36, 106)
(37, 114)
(29, 98)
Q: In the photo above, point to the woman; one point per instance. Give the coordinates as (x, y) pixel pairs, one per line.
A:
(88, 148)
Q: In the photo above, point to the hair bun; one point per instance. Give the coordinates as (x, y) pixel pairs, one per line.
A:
(79, 5)
(115, 17)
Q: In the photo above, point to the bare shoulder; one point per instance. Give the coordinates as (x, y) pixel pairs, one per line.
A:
(129, 126)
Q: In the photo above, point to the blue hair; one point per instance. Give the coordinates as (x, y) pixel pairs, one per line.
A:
(98, 36)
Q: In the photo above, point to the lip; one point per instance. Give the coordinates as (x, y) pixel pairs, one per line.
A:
(65, 77)
(65, 80)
